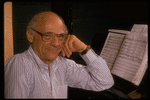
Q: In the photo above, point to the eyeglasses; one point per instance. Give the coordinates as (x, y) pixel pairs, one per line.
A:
(48, 36)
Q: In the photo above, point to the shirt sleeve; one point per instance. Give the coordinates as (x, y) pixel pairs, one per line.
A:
(95, 76)
(16, 85)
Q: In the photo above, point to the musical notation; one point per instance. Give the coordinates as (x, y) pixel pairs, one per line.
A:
(130, 57)
(126, 52)
(111, 48)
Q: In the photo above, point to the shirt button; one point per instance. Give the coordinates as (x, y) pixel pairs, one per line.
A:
(57, 84)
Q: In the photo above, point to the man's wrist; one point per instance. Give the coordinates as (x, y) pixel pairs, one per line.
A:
(85, 50)
(84, 47)
(90, 56)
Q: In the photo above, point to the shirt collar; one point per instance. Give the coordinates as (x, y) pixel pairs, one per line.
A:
(39, 62)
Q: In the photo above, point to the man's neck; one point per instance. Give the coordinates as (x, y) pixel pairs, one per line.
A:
(47, 62)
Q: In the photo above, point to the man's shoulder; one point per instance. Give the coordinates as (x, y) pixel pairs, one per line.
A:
(14, 58)
(17, 58)
(18, 62)
(14, 62)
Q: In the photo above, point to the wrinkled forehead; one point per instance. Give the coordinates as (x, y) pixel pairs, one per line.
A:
(50, 23)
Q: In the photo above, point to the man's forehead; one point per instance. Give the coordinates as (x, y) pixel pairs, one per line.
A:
(49, 16)
(50, 23)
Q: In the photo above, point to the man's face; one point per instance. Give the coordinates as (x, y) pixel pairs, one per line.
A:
(48, 51)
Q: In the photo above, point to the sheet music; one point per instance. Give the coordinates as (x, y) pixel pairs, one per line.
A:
(131, 55)
(111, 48)
(140, 73)
(139, 28)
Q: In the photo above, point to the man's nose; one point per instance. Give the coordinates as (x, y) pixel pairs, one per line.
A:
(55, 41)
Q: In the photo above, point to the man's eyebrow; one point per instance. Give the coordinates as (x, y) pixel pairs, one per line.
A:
(48, 32)
(54, 32)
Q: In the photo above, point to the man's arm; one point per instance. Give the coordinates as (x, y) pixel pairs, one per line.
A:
(95, 76)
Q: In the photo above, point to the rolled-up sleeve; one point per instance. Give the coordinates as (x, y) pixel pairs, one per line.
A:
(95, 76)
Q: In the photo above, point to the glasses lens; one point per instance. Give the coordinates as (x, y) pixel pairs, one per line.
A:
(61, 37)
(49, 36)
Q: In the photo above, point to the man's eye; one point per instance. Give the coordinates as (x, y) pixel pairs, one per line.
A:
(60, 35)
(47, 35)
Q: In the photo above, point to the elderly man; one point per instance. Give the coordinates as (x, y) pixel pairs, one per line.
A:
(43, 72)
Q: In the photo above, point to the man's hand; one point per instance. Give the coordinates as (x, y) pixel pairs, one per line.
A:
(72, 44)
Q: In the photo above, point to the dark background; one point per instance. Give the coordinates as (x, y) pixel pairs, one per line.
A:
(89, 21)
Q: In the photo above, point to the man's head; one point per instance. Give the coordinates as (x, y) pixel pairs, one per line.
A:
(46, 22)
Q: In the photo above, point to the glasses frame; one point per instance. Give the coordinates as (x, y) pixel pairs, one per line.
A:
(42, 34)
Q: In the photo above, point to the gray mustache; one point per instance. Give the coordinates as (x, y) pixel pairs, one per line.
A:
(54, 48)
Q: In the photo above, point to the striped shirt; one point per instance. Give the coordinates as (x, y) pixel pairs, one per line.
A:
(26, 76)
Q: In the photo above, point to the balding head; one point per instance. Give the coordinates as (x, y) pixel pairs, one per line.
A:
(45, 18)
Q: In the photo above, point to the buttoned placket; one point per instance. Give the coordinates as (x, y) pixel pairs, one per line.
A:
(53, 66)
(53, 82)
(44, 69)
(52, 79)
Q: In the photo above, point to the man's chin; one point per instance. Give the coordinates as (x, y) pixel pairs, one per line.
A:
(51, 57)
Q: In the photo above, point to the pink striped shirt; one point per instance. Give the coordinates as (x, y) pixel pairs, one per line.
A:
(26, 76)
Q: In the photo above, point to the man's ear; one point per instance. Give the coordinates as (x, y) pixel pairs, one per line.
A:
(29, 36)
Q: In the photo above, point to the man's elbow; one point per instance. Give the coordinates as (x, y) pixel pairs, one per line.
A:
(109, 83)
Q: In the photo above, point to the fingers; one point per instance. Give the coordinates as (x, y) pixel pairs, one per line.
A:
(70, 44)
(62, 52)
(66, 52)
(66, 49)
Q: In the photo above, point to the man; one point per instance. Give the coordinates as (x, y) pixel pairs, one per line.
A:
(41, 71)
